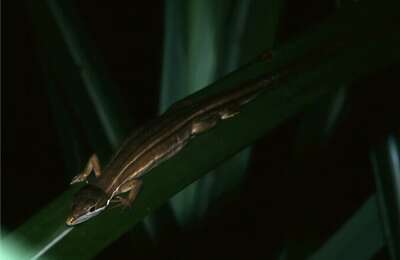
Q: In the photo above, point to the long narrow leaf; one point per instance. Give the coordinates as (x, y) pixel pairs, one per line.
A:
(85, 102)
(359, 238)
(385, 157)
(247, 39)
(196, 53)
(79, 75)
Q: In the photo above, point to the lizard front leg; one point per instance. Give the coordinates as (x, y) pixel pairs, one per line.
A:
(203, 124)
(133, 186)
(92, 164)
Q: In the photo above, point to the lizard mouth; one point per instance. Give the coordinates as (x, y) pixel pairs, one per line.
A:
(72, 220)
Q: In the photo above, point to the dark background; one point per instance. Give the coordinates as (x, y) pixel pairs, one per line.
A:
(284, 201)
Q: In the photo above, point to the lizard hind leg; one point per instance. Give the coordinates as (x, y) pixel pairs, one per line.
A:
(229, 112)
(234, 109)
(205, 123)
(92, 165)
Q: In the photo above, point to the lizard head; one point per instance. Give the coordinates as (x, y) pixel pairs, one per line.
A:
(87, 203)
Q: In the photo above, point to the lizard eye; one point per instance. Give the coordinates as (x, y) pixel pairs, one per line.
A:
(92, 209)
